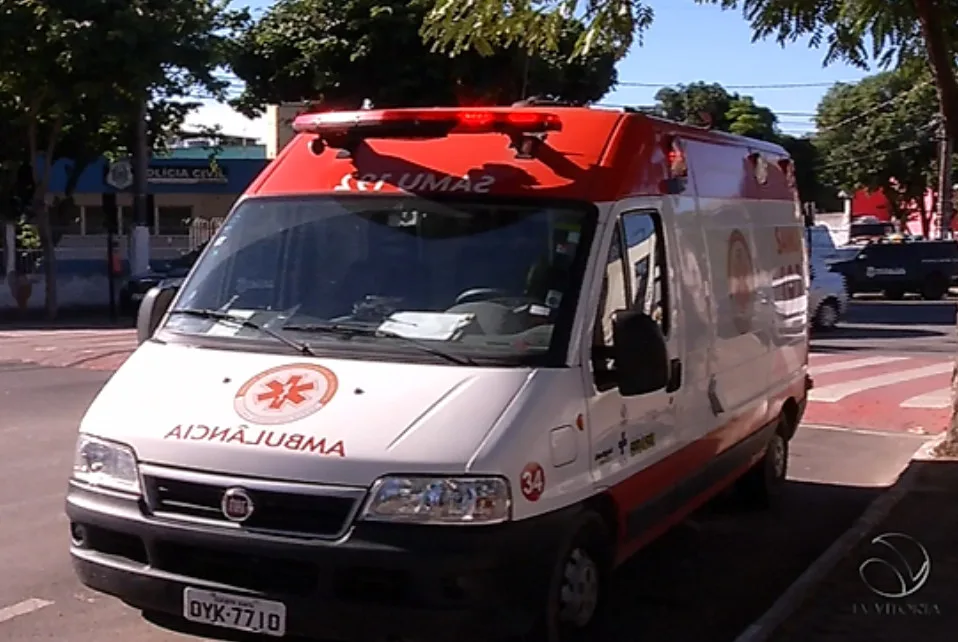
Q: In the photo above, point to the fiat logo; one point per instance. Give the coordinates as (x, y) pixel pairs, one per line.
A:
(237, 505)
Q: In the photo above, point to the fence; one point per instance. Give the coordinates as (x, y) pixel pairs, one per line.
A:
(82, 264)
(203, 229)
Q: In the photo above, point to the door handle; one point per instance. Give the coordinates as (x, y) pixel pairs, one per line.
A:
(675, 375)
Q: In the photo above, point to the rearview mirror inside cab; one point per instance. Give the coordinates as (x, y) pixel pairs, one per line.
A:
(640, 353)
(154, 305)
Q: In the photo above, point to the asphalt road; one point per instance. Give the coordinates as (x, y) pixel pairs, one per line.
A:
(707, 580)
(910, 326)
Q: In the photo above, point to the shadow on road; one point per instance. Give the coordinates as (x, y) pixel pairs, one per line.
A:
(902, 312)
(846, 609)
(709, 578)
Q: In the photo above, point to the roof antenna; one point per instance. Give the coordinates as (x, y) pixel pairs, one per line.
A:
(707, 121)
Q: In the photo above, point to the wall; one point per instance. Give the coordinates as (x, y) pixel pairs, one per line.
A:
(279, 119)
(865, 203)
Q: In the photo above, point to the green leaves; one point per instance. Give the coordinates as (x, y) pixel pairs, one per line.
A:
(880, 134)
(705, 104)
(344, 51)
(611, 26)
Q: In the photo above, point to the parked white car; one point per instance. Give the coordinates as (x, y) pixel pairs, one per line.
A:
(827, 295)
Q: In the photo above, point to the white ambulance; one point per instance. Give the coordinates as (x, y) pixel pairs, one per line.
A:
(442, 370)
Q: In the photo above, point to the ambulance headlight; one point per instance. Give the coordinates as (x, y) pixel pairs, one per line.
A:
(106, 464)
(439, 500)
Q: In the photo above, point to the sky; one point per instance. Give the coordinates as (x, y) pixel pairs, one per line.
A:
(686, 43)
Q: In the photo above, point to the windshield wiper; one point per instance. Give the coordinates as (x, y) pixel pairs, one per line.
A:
(349, 330)
(220, 315)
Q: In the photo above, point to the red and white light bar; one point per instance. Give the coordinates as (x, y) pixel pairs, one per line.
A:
(449, 120)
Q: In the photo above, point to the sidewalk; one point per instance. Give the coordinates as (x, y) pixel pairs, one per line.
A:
(913, 561)
(67, 319)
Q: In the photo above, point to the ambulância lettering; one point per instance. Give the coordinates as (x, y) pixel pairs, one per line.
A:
(416, 182)
(246, 436)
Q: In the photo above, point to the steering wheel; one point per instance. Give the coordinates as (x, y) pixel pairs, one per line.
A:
(480, 294)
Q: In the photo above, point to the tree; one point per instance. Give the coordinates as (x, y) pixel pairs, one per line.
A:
(342, 52)
(537, 27)
(807, 161)
(64, 61)
(712, 105)
(893, 149)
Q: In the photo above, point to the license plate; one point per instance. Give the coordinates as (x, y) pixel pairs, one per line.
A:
(235, 612)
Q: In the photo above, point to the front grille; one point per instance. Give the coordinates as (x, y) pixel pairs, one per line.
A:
(296, 513)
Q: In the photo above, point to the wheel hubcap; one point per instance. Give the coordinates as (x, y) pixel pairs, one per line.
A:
(579, 596)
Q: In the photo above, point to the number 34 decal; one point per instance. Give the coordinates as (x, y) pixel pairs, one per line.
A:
(532, 481)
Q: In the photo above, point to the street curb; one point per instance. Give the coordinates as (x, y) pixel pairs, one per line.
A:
(762, 629)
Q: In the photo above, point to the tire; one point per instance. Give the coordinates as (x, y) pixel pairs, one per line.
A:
(579, 583)
(827, 315)
(934, 288)
(761, 487)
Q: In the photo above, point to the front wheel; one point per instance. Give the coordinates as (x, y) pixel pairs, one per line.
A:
(577, 589)
(762, 486)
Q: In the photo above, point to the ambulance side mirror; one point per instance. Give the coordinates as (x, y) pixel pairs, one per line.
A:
(154, 305)
(641, 355)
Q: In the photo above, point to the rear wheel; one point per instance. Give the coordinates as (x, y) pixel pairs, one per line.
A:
(934, 288)
(577, 589)
(761, 487)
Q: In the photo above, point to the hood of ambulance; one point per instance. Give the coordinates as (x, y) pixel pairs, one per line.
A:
(352, 420)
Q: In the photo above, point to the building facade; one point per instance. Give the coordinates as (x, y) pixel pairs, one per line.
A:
(191, 194)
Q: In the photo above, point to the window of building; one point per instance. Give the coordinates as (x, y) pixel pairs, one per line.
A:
(66, 218)
(94, 220)
(126, 219)
(174, 219)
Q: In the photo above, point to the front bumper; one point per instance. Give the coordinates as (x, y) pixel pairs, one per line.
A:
(379, 581)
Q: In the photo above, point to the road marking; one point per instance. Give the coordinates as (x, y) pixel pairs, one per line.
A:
(940, 398)
(851, 365)
(839, 391)
(22, 608)
(863, 431)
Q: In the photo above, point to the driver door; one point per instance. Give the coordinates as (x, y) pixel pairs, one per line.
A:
(628, 434)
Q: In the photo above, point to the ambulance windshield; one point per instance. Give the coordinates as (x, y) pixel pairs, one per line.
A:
(487, 279)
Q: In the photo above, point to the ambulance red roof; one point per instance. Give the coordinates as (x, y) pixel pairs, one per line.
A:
(598, 155)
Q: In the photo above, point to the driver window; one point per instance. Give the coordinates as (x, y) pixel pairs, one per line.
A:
(645, 245)
(613, 297)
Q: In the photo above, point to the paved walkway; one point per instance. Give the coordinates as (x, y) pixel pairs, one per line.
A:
(900, 583)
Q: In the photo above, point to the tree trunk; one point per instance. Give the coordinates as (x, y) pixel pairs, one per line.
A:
(41, 177)
(42, 213)
(925, 216)
(941, 59)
